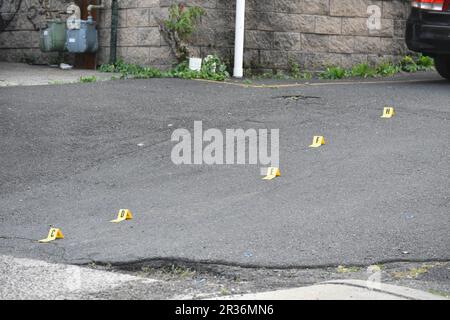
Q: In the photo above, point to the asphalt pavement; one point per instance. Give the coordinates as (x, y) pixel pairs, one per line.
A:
(379, 190)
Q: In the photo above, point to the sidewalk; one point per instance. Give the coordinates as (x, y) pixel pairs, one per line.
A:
(21, 74)
(341, 290)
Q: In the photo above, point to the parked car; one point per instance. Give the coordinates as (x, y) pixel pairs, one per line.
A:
(428, 32)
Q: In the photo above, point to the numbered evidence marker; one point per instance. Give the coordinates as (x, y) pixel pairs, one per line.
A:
(318, 141)
(53, 234)
(124, 214)
(272, 173)
(388, 112)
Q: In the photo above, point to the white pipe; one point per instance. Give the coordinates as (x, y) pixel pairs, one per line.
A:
(95, 6)
(239, 39)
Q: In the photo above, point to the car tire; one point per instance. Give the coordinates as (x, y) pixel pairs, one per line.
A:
(442, 64)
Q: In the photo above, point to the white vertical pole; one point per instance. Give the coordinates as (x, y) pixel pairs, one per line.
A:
(239, 39)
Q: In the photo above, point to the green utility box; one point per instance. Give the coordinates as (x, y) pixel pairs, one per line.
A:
(54, 37)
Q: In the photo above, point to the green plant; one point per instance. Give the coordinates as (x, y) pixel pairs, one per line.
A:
(296, 73)
(131, 70)
(88, 79)
(344, 269)
(408, 64)
(412, 273)
(333, 73)
(212, 69)
(363, 70)
(179, 27)
(307, 75)
(295, 69)
(248, 72)
(224, 291)
(280, 75)
(267, 74)
(387, 69)
(424, 62)
(107, 68)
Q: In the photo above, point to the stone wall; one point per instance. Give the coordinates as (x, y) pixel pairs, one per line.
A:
(313, 33)
(20, 21)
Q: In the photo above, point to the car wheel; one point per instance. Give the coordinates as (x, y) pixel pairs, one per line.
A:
(442, 64)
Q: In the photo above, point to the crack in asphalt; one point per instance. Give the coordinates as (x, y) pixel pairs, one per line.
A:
(16, 238)
(297, 97)
(204, 265)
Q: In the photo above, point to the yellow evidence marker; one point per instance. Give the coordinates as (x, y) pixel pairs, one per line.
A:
(53, 234)
(272, 173)
(124, 214)
(388, 112)
(318, 141)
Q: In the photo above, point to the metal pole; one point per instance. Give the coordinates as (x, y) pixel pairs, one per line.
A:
(239, 39)
(114, 23)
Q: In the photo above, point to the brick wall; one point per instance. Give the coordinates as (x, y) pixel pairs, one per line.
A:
(313, 33)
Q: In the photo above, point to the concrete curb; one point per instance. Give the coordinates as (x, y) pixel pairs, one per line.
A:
(342, 290)
(401, 292)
